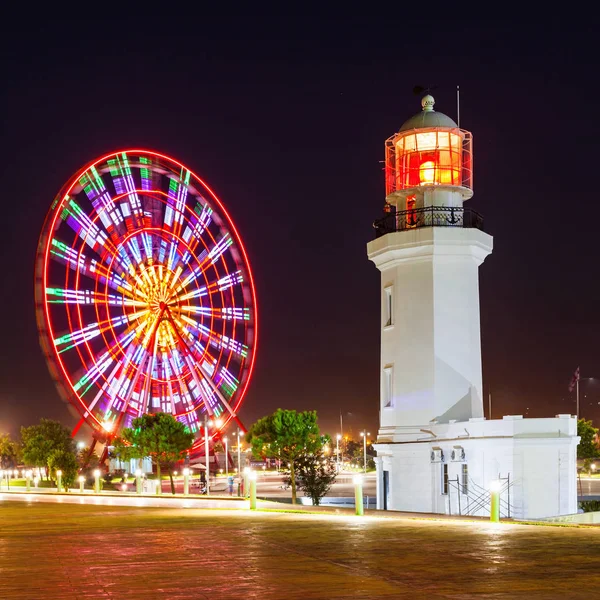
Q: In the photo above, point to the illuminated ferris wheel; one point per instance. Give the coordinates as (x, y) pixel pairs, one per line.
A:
(144, 295)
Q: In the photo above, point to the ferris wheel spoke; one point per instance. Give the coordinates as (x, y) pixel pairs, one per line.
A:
(131, 207)
(103, 203)
(216, 339)
(82, 297)
(89, 267)
(226, 313)
(176, 201)
(70, 340)
(199, 221)
(205, 259)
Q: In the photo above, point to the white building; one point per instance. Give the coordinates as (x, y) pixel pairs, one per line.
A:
(436, 452)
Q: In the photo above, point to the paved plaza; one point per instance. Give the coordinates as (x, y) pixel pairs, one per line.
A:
(68, 551)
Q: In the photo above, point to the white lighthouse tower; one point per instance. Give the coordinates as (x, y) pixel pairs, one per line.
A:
(436, 452)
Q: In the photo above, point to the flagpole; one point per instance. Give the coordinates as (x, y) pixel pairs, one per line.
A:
(578, 398)
(490, 409)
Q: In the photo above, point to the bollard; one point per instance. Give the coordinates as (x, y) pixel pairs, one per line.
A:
(358, 495)
(96, 481)
(138, 481)
(28, 481)
(252, 477)
(186, 482)
(81, 482)
(59, 481)
(246, 489)
(495, 501)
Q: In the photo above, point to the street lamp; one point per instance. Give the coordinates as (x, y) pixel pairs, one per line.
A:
(206, 454)
(364, 435)
(337, 450)
(239, 453)
(226, 440)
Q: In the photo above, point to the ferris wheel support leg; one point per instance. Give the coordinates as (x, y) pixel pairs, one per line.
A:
(104, 456)
(77, 427)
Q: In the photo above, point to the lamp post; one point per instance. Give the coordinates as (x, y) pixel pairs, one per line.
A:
(96, 481)
(252, 477)
(186, 482)
(59, 481)
(364, 434)
(81, 482)
(358, 496)
(239, 453)
(226, 440)
(338, 437)
(206, 455)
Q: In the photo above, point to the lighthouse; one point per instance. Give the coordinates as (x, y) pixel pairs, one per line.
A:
(436, 451)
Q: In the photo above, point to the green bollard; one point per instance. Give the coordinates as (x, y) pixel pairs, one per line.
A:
(59, 481)
(97, 481)
(358, 495)
(252, 477)
(28, 481)
(138, 481)
(81, 482)
(495, 501)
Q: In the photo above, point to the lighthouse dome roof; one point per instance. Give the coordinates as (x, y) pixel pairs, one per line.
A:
(428, 117)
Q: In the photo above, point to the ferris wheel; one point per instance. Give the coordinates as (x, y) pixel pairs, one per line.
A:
(144, 296)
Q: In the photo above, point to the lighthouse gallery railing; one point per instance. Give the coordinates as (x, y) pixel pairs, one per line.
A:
(430, 216)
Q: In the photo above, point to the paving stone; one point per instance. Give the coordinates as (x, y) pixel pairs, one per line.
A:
(65, 551)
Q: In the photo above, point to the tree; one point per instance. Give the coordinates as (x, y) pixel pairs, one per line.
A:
(286, 435)
(588, 445)
(65, 461)
(160, 436)
(9, 452)
(40, 441)
(315, 475)
(87, 461)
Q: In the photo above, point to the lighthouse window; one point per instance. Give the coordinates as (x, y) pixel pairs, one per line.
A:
(388, 306)
(388, 398)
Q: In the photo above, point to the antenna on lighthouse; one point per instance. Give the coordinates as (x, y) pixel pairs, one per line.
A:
(458, 105)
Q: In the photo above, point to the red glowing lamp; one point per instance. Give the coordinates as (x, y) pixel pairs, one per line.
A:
(430, 150)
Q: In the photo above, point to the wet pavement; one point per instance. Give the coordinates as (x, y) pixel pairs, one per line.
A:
(65, 551)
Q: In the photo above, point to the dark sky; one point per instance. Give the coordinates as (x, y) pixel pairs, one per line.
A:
(286, 118)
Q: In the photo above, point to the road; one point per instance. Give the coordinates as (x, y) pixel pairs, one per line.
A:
(270, 485)
(588, 487)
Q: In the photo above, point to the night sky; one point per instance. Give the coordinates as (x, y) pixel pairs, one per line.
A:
(286, 118)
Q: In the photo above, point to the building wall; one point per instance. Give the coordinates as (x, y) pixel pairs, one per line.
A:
(535, 458)
(433, 344)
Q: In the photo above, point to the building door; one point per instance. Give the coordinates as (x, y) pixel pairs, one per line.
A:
(386, 488)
